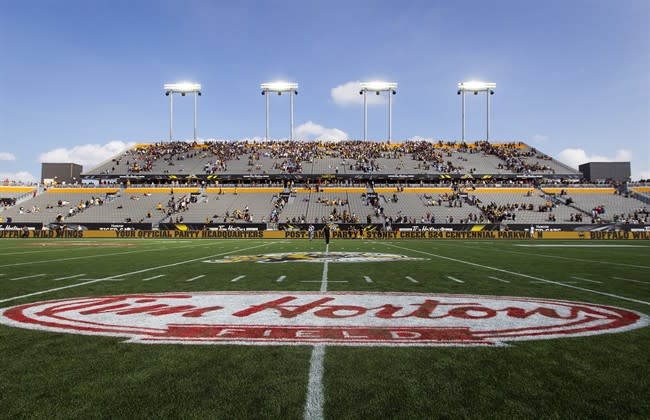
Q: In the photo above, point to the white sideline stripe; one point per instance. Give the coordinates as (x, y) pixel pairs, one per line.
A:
(633, 281)
(584, 279)
(455, 279)
(367, 279)
(578, 259)
(544, 281)
(66, 248)
(411, 279)
(498, 279)
(154, 277)
(315, 394)
(113, 278)
(579, 246)
(98, 255)
(28, 277)
(556, 256)
(196, 278)
(238, 278)
(520, 274)
(281, 278)
(69, 277)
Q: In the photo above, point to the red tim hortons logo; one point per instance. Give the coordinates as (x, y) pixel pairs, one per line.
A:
(297, 318)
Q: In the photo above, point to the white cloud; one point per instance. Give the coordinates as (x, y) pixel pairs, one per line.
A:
(313, 131)
(7, 156)
(22, 176)
(348, 94)
(87, 155)
(576, 157)
(539, 138)
(420, 138)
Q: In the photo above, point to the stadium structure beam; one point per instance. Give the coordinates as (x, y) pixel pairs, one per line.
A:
(280, 87)
(476, 87)
(183, 88)
(378, 87)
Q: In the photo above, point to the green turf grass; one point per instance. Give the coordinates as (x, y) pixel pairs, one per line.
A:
(44, 374)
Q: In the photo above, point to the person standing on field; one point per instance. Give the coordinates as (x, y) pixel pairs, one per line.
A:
(326, 234)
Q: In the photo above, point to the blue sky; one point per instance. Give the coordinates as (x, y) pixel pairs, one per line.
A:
(80, 79)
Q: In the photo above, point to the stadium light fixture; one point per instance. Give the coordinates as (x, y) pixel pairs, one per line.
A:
(280, 87)
(183, 88)
(378, 87)
(476, 87)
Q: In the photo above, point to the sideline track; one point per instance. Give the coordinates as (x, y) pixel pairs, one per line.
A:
(109, 278)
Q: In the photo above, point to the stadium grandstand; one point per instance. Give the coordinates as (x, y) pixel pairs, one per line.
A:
(285, 185)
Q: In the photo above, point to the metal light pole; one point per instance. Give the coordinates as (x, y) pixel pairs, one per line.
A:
(171, 116)
(182, 88)
(291, 112)
(365, 115)
(487, 116)
(463, 118)
(195, 96)
(279, 87)
(378, 87)
(390, 116)
(476, 87)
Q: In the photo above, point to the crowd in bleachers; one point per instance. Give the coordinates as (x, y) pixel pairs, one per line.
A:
(290, 157)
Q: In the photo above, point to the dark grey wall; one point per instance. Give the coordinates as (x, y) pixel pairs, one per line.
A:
(594, 171)
(61, 172)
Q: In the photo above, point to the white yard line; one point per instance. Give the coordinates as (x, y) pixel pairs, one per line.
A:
(323, 287)
(455, 279)
(69, 277)
(411, 279)
(154, 277)
(520, 275)
(367, 279)
(28, 277)
(319, 281)
(196, 278)
(109, 278)
(584, 279)
(498, 279)
(315, 393)
(281, 278)
(238, 278)
(633, 281)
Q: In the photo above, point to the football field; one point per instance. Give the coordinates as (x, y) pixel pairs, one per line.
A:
(297, 329)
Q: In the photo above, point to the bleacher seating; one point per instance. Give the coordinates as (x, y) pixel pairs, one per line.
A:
(347, 182)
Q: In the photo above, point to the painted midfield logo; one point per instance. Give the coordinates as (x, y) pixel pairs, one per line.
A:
(316, 257)
(353, 319)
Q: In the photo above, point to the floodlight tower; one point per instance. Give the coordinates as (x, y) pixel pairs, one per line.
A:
(377, 87)
(183, 88)
(279, 87)
(476, 87)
